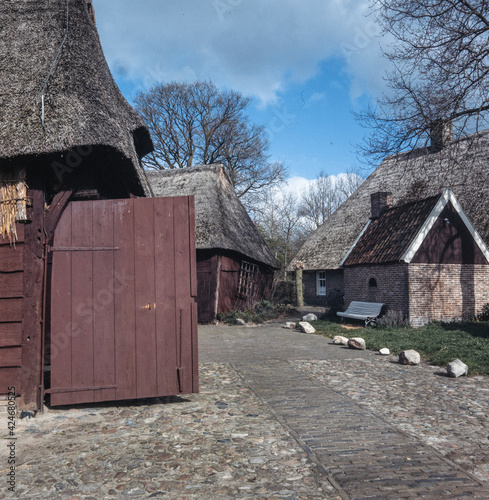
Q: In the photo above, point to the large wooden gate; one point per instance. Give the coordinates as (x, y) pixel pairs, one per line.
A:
(123, 301)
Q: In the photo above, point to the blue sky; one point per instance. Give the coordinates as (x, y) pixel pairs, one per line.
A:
(307, 64)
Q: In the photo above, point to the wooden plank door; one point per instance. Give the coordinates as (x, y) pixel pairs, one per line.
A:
(123, 301)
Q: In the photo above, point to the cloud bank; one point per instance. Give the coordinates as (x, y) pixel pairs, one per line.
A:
(256, 47)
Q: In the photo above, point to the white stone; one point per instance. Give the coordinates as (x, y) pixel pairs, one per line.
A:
(384, 351)
(357, 343)
(409, 357)
(240, 321)
(338, 339)
(310, 317)
(457, 368)
(290, 325)
(305, 327)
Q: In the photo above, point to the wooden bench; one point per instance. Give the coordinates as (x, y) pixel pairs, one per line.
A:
(366, 311)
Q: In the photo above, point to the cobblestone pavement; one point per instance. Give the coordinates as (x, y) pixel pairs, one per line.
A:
(280, 415)
(377, 429)
(221, 443)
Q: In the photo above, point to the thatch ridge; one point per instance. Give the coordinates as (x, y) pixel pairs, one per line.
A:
(462, 166)
(221, 219)
(82, 104)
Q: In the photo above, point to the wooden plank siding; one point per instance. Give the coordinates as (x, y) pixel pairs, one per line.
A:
(11, 305)
(218, 272)
(126, 277)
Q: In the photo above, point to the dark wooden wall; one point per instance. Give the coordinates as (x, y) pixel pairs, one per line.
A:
(11, 303)
(449, 242)
(218, 272)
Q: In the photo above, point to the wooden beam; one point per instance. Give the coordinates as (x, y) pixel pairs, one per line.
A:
(54, 212)
(32, 305)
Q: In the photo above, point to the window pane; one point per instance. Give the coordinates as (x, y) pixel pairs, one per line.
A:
(321, 283)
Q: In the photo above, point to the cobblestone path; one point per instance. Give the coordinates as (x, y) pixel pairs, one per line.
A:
(375, 429)
(280, 415)
(362, 455)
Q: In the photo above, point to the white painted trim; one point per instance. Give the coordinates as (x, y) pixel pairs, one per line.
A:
(317, 284)
(354, 244)
(446, 197)
(480, 243)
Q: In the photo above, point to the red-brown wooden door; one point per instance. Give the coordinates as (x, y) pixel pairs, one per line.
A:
(123, 301)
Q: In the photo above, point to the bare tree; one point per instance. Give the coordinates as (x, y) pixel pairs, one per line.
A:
(197, 123)
(440, 73)
(277, 217)
(324, 195)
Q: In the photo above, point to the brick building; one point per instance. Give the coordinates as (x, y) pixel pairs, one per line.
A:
(423, 259)
(460, 165)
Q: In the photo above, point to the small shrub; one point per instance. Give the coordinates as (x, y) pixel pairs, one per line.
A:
(392, 319)
(335, 302)
(484, 314)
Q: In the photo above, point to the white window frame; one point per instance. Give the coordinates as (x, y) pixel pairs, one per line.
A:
(321, 277)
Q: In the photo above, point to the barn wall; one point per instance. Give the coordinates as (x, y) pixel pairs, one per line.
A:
(391, 289)
(444, 292)
(11, 303)
(229, 280)
(207, 262)
(212, 264)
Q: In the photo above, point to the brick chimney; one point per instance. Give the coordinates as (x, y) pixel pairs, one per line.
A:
(379, 202)
(441, 134)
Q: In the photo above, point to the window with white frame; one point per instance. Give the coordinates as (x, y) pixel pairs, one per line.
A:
(321, 282)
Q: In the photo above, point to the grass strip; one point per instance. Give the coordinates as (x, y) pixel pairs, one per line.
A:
(438, 343)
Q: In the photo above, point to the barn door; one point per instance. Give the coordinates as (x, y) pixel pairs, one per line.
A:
(123, 309)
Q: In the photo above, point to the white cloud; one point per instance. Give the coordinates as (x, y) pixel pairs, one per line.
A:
(299, 184)
(253, 46)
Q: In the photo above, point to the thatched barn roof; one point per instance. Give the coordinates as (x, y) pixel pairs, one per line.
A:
(220, 218)
(82, 104)
(462, 166)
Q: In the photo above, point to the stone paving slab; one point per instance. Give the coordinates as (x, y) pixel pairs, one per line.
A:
(360, 452)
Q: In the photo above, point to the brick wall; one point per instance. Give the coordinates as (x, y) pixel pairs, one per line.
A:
(445, 292)
(391, 286)
(334, 286)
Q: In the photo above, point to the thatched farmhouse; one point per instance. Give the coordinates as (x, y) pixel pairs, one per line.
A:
(423, 259)
(79, 303)
(459, 165)
(234, 265)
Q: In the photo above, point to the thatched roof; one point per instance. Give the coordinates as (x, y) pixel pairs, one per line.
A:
(220, 218)
(82, 104)
(463, 167)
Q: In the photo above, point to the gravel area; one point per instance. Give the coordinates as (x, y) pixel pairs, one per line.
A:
(451, 415)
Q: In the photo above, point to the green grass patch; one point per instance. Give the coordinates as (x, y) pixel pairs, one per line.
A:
(439, 343)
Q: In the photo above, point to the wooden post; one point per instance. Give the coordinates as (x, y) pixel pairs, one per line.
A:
(32, 317)
(32, 304)
(299, 266)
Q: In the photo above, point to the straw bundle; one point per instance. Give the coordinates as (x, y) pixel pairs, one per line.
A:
(13, 198)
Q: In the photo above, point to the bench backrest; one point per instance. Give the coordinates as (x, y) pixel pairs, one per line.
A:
(365, 308)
